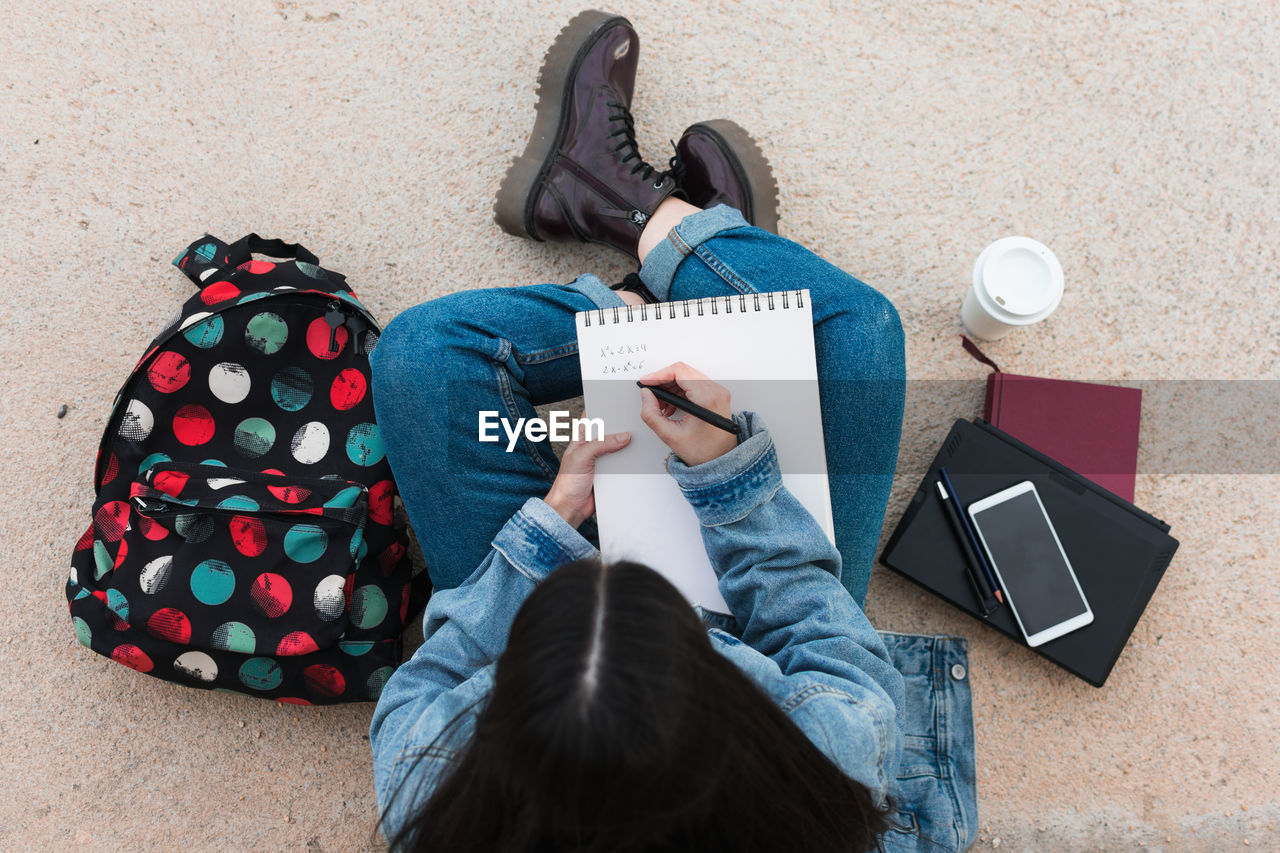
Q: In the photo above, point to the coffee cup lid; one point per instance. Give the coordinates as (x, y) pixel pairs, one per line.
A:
(1019, 279)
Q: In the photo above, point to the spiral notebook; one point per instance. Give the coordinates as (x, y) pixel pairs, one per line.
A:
(759, 346)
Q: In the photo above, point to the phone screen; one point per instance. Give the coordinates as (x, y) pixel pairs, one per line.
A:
(1036, 578)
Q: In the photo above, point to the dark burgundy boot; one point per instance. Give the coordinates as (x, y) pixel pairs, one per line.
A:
(717, 162)
(581, 176)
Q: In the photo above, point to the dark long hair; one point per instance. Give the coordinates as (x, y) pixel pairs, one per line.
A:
(613, 726)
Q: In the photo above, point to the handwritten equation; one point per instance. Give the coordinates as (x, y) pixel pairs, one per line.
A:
(620, 359)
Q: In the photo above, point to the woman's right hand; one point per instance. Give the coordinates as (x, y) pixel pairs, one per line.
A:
(692, 439)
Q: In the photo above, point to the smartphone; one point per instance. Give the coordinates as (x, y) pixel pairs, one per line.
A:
(1030, 563)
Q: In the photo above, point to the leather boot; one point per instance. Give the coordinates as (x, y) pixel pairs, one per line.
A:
(581, 176)
(717, 162)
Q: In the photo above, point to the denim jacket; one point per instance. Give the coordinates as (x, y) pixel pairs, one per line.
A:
(892, 711)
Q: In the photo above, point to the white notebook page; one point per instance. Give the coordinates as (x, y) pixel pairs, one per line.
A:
(761, 349)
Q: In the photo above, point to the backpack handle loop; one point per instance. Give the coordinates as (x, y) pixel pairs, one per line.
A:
(239, 251)
(206, 257)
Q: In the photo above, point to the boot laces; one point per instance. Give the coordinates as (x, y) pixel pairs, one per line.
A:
(627, 130)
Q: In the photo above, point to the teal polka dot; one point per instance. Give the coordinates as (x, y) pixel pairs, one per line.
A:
(364, 444)
(305, 543)
(368, 607)
(261, 674)
(206, 333)
(309, 270)
(118, 604)
(153, 459)
(238, 502)
(266, 333)
(254, 437)
(102, 562)
(291, 388)
(355, 648)
(345, 498)
(216, 463)
(194, 527)
(212, 582)
(378, 680)
(251, 297)
(363, 551)
(83, 634)
(81, 593)
(206, 251)
(234, 637)
(357, 544)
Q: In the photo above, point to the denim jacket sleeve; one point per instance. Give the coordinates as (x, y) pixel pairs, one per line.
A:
(464, 631)
(807, 642)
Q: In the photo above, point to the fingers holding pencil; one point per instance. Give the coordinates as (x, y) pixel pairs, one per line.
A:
(695, 439)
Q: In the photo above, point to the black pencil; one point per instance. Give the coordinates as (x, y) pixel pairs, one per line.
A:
(692, 408)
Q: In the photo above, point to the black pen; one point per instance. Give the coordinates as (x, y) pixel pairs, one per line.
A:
(987, 600)
(971, 537)
(692, 408)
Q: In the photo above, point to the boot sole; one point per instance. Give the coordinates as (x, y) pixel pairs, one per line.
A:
(517, 194)
(751, 167)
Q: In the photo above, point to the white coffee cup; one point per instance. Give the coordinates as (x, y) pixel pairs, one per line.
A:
(1016, 282)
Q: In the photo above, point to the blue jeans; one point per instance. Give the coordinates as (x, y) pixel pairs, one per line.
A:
(511, 349)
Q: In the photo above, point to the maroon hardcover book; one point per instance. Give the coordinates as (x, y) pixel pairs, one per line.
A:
(1092, 429)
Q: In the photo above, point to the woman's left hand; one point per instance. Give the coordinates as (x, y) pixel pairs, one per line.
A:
(572, 494)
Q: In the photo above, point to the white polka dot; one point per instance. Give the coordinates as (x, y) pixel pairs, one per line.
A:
(310, 443)
(155, 575)
(229, 382)
(330, 600)
(137, 421)
(196, 665)
(208, 273)
(223, 482)
(196, 318)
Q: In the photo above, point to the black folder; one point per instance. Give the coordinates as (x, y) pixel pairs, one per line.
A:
(1119, 552)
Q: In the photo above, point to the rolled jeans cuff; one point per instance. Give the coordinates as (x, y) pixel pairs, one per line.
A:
(660, 265)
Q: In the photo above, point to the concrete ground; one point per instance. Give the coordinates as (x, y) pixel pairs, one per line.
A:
(1137, 139)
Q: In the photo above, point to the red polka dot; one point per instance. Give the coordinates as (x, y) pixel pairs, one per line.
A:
(290, 494)
(111, 519)
(86, 538)
(249, 535)
(347, 589)
(292, 700)
(296, 643)
(389, 560)
(325, 679)
(153, 530)
(348, 389)
(169, 372)
(132, 657)
(404, 602)
(219, 291)
(113, 468)
(193, 425)
(170, 624)
(271, 593)
(257, 267)
(381, 501)
(121, 554)
(170, 482)
(318, 334)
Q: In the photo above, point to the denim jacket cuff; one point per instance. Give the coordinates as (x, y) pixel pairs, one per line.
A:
(536, 540)
(729, 487)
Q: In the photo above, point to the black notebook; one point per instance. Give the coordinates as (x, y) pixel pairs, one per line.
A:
(1119, 552)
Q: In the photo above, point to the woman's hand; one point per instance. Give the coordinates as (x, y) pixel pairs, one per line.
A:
(572, 494)
(694, 440)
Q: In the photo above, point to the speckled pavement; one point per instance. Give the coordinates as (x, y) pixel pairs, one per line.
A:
(1138, 140)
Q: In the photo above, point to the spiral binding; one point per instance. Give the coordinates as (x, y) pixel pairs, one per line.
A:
(740, 303)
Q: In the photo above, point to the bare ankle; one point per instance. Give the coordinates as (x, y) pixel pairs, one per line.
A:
(666, 217)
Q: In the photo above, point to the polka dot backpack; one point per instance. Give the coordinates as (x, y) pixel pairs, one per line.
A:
(246, 534)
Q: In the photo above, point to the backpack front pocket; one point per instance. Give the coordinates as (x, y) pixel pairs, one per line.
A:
(241, 561)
